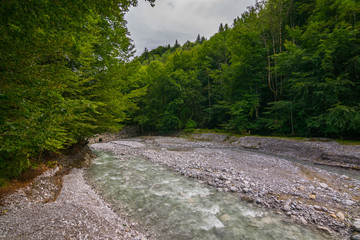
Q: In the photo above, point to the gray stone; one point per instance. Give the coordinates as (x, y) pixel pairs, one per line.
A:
(287, 207)
(340, 215)
(302, 188)
(349, 202)
(325, 229)
(233, 189)
(245, 190)
(356, 224)
(317, 207)
(246, 184)
(303, 221)
(356, 236)
(222, 177)
(323, 185)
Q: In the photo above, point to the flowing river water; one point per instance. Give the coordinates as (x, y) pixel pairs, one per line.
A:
(171, 206)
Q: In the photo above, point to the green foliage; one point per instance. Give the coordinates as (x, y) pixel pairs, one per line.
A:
(190, 126)
(244, 113)
(3, 183)
(284, 67)
(63, 76)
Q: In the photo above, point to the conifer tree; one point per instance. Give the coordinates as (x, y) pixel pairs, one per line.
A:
(176, 45)
(198, 39)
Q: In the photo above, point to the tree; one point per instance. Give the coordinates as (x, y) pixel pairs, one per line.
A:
(284, 67)
(198, 39)
(176, 45)
(57, 59)
(221, 28)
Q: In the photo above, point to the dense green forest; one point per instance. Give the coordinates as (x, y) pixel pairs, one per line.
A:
(284, 67)
(63, 75)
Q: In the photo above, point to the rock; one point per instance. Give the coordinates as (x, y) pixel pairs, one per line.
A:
(247, 198)
(233, 189)
(246, 184)
(356, 224)
(302, 188)
(225, 217)
(323, 185)
(340, 215)
(325, 229)
(349, 202)
(258, 201)
(312, 196)
(222, 177)
(303, 221)
(245, 190)
(356, 236)
(287, 207)
(318, 208)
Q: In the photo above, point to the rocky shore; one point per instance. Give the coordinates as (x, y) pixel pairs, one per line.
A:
(61, 204)
(77, 213)
(310, 196)
(57, 206)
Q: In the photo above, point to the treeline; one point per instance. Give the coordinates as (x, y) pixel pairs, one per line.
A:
(63, 75)
(285, 67)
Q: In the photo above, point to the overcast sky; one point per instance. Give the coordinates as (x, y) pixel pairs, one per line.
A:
(180, 19)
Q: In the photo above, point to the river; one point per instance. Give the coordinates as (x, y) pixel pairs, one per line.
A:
(172, 206)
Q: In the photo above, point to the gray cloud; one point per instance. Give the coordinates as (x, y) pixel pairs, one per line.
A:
(171, 4)
(180, 19)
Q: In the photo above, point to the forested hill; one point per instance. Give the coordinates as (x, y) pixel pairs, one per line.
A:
(285, 67)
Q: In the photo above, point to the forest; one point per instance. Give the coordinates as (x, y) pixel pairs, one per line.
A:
(68, 71)
(284, 67)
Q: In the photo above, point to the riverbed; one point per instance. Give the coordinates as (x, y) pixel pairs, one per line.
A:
(307, 196)
(195, 188)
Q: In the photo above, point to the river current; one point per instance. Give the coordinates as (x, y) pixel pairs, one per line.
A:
(171, 206)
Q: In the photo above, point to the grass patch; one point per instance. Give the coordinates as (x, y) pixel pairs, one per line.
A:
(3, 182)
(347, 142)
(296, 138)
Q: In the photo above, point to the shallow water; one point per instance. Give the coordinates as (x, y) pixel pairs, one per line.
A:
(175, 207)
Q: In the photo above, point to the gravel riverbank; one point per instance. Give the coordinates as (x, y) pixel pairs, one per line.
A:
(309, 195)
(77, 213)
